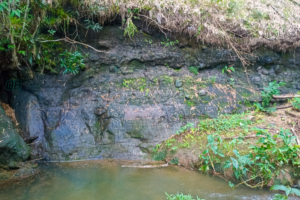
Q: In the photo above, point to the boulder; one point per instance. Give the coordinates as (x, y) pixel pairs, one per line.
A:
(13, 149)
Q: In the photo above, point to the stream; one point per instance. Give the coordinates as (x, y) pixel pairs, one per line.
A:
(108, 180)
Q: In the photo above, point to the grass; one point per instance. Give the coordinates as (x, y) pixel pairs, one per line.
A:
(208, 20)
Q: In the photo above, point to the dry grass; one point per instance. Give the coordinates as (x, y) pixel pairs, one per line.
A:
(10, 113)
(275, 23)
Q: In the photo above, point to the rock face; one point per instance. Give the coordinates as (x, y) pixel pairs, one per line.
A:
(12, 147)
(127, 99)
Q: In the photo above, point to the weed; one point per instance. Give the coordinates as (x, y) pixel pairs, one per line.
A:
(175, 161)
(169, 43)
(287, 191)
(213, 146)
(148, 41)
(267, 96)
(160, 155)
(181, 197)
(193, 70)
(189, 103)
(169, 142)
(296, 103)
(186, 127)
(72, 62)
(228, 70)
(213, 79)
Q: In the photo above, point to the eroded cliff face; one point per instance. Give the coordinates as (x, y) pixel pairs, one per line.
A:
(135, 95)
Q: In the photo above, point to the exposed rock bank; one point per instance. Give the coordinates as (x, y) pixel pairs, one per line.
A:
(133, 96)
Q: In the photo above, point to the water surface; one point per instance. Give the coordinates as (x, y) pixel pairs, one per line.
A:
(107, 180)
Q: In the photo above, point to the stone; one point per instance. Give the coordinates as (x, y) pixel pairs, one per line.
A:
(252, 118)
(112, 69)
(265, 72)
(202, 93)
(99, 111)
(13, 148)
(187, 96)
(180, 89)
(278, 69)
(178, 83)
(256, 79)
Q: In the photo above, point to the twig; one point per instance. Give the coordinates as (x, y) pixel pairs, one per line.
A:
(292, 114)
(146, 166)
(37, 159)
(159, 26)
(66, 39)
(295, 134)
(283, 107)
(246, 181)
(285, 96)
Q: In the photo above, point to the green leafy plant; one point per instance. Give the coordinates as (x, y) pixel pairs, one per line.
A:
(148, 41)
(161, 155)
(72, 62)
(287, 191)
(169, 43)
(267, 96)
(181, 197)
(213, 79)
(194, 70)
(296, 103)
(184, 128)
(130, 28)
(240, 164)
(231, 81)
(92, 25)
(175, 161)
(208, 158)
(228, 70)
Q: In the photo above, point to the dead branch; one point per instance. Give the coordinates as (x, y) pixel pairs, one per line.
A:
(285, 96)
(295, 134)
(66, 39)
(146, 166)
(291, 114)
(283, 107)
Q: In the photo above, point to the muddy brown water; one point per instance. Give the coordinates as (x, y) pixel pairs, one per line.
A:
(108, 180)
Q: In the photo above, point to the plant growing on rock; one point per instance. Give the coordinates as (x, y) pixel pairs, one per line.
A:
(228, 70)
(193, 70)
(72, 62)
(267, 96)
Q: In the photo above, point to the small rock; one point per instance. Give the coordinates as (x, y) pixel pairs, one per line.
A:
(252, 118)
(202, 93)
(259, 68)
(187, 96)
(273, 123)
(99, 111)
(255, 79)
(265, 72)
(278, 69)
(180, 89)
(178, 83)
(112, 69)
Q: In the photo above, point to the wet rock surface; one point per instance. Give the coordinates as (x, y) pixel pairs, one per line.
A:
(13, 149)
(130, 97)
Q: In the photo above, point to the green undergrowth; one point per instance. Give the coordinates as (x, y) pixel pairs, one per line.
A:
(181, 197)
(252, 155)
